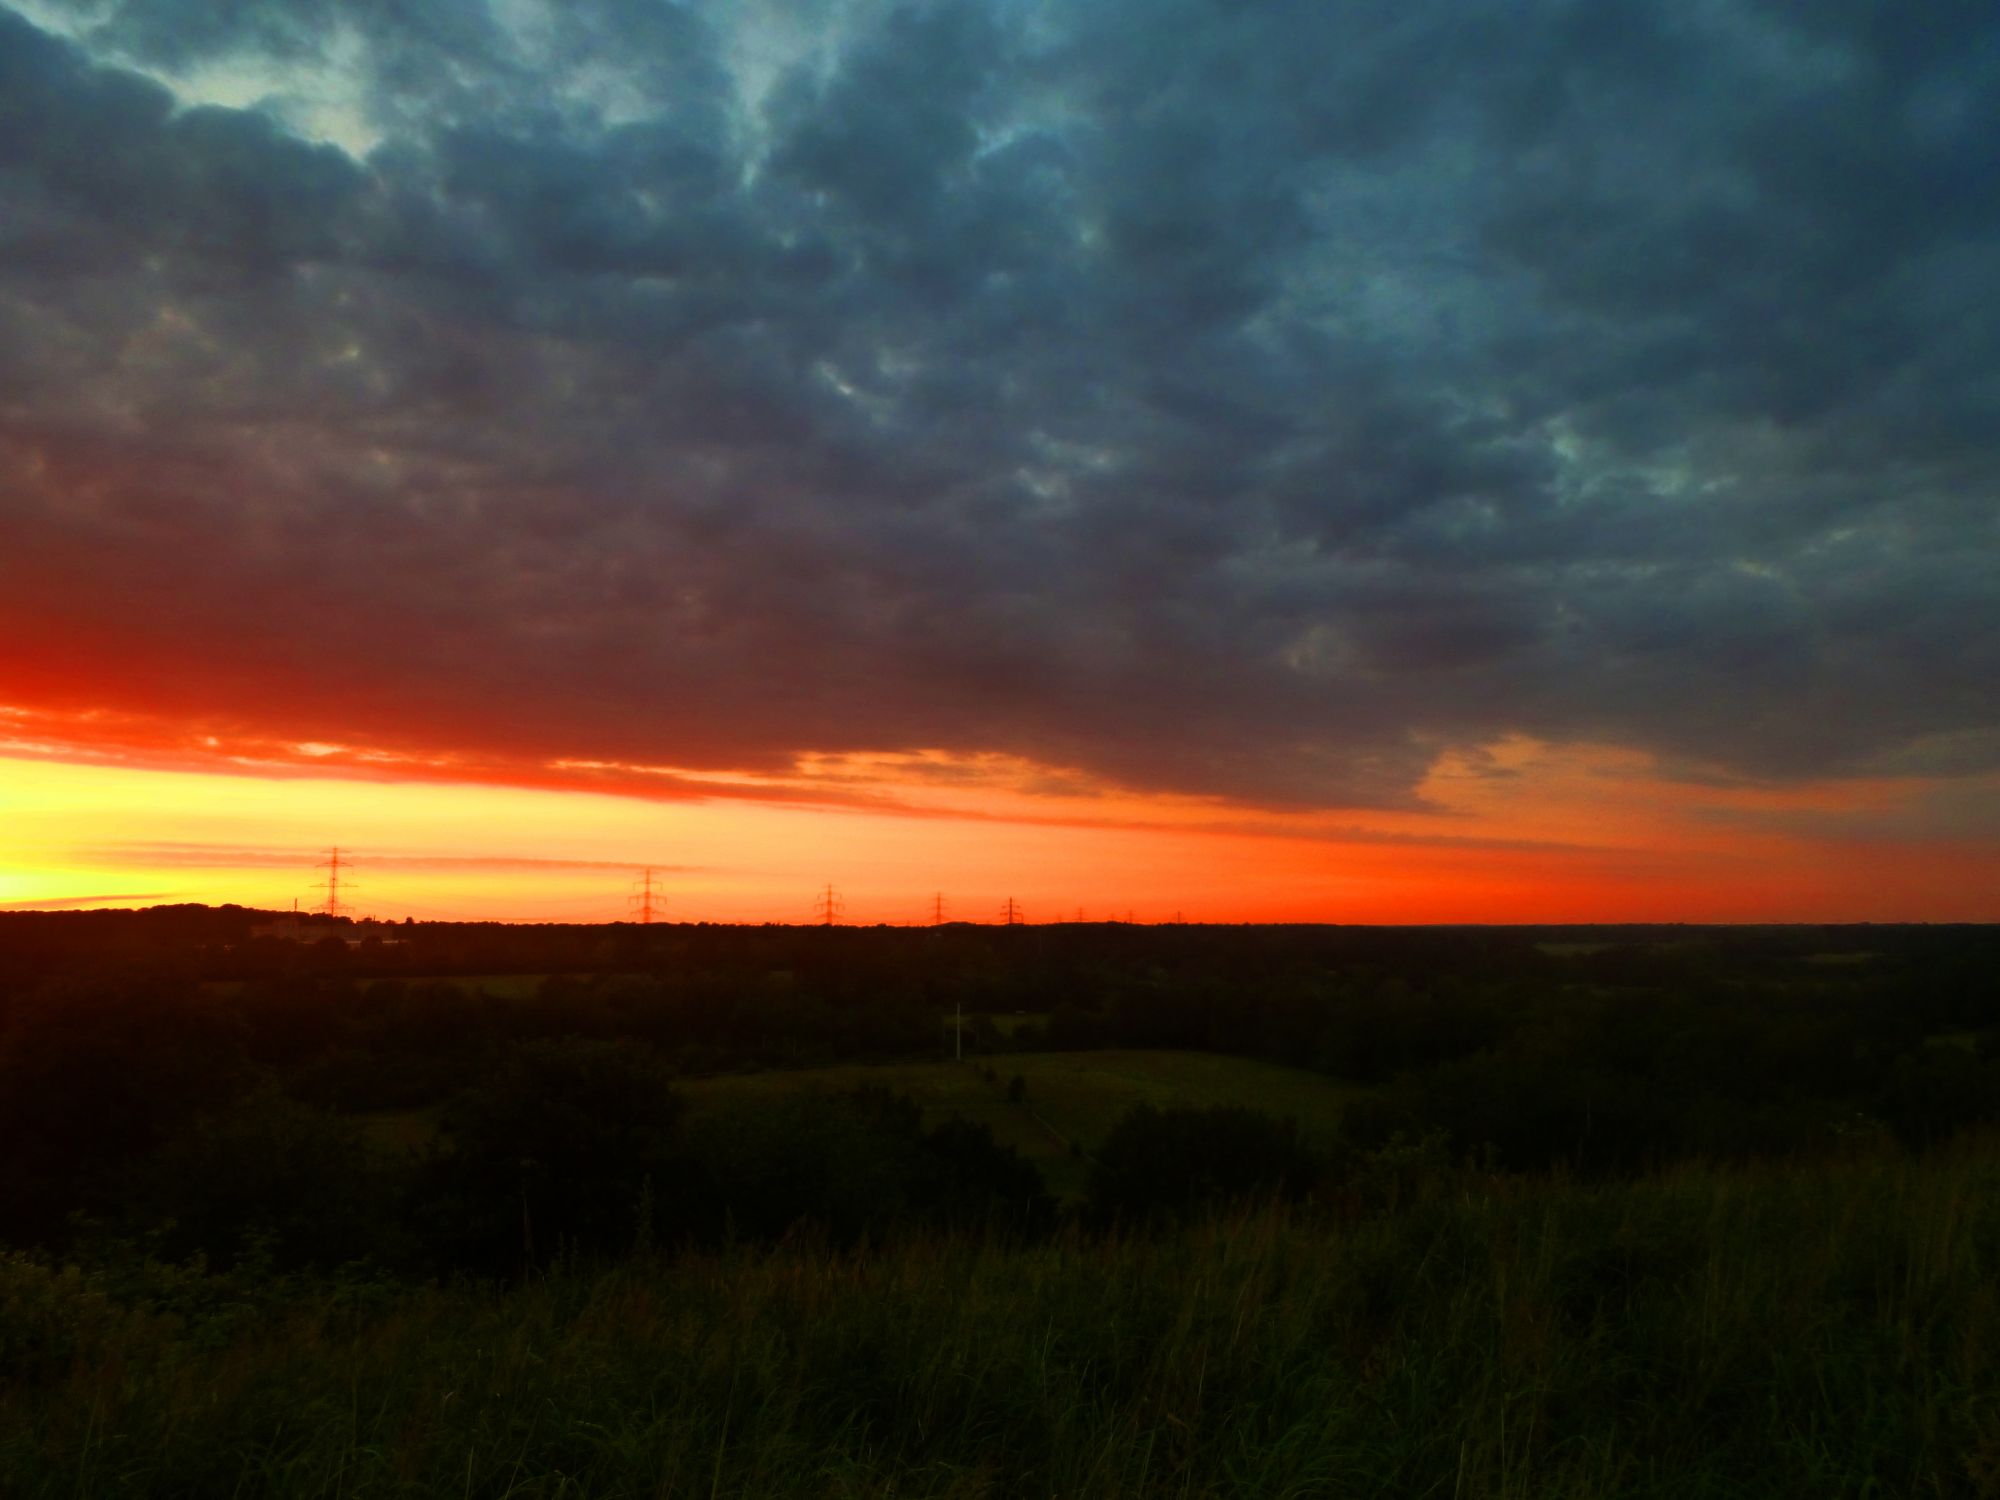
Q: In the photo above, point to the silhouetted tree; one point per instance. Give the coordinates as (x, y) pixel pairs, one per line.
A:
(555, 1152)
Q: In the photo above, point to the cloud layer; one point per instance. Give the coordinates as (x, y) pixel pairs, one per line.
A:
(1257, 401)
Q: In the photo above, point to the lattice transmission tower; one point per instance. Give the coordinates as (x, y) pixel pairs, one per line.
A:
(333, 905)
(644, 902)
(827, 906)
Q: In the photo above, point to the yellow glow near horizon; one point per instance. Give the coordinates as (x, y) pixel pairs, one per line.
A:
(1575, 834)
(75, 831)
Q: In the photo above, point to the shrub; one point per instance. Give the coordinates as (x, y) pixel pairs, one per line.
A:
(851, 1164)
(1524, 1112)
(556, 1151)
(95, 1074)
(974, 1182)
(1938, 1091)
(300, 1185)
(841, 1163)
(1165, 1164)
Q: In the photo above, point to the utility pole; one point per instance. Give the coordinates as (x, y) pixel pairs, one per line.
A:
(331, 885)
(937, 910)
(827, 906)
(642, 900)
(1011, 913)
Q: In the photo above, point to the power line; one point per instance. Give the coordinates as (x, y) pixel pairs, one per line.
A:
(1011, 913)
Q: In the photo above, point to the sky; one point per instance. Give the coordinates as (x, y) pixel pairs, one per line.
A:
(1440, 460)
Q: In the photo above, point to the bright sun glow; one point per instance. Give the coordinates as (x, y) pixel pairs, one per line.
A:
(1525, 833)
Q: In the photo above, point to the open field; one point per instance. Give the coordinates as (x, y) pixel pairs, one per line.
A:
(504, 986)
(1693, 1221)
(1071, 1096)
(1788, 1334)
(1007, 1022)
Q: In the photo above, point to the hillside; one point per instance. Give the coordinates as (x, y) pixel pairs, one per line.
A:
(1794, 1334)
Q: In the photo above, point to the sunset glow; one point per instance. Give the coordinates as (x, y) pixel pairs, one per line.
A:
(964, 449)
(1528, 834)
(977, 747)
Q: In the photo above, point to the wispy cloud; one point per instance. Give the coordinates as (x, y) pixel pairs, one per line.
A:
(170, 854)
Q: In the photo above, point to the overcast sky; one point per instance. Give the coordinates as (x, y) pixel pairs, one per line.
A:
(1251, 400)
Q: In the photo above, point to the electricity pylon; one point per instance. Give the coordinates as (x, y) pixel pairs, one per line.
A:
(643, 901)
(331, 885)
(827, 906)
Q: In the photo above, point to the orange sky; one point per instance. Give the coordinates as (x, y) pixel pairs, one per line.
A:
(97, 811)
(598, 447)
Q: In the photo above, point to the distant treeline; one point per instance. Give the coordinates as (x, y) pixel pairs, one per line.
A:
(165, 1078)
(1032, 964)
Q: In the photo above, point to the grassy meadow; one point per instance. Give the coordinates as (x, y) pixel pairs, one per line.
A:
(1812, 1333)
(1068, 1096)
(1656, 1215)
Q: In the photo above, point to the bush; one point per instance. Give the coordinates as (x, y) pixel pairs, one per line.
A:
(94, 1075)
(1166, 1164)
(557, 1152)
(977, 1183)
(1938, 1091)
(853, 1164)
(1529, 1113)
(840, 1163)
(295, 1184)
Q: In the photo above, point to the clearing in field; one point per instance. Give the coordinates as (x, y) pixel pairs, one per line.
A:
(1069, 1097)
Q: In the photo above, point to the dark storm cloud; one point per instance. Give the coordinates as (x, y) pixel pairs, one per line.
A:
(1254, 400)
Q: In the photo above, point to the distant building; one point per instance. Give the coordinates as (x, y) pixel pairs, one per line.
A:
(303, 927)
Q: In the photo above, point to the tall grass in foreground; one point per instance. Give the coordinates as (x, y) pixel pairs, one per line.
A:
(1813, 1332)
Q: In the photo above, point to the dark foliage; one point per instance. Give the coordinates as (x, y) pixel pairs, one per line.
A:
(271, 1178)
(1159, 1165)
(1937, 1091)
(558, 1150)
(854, 1164)
(96, 1073)
(165, 1073)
